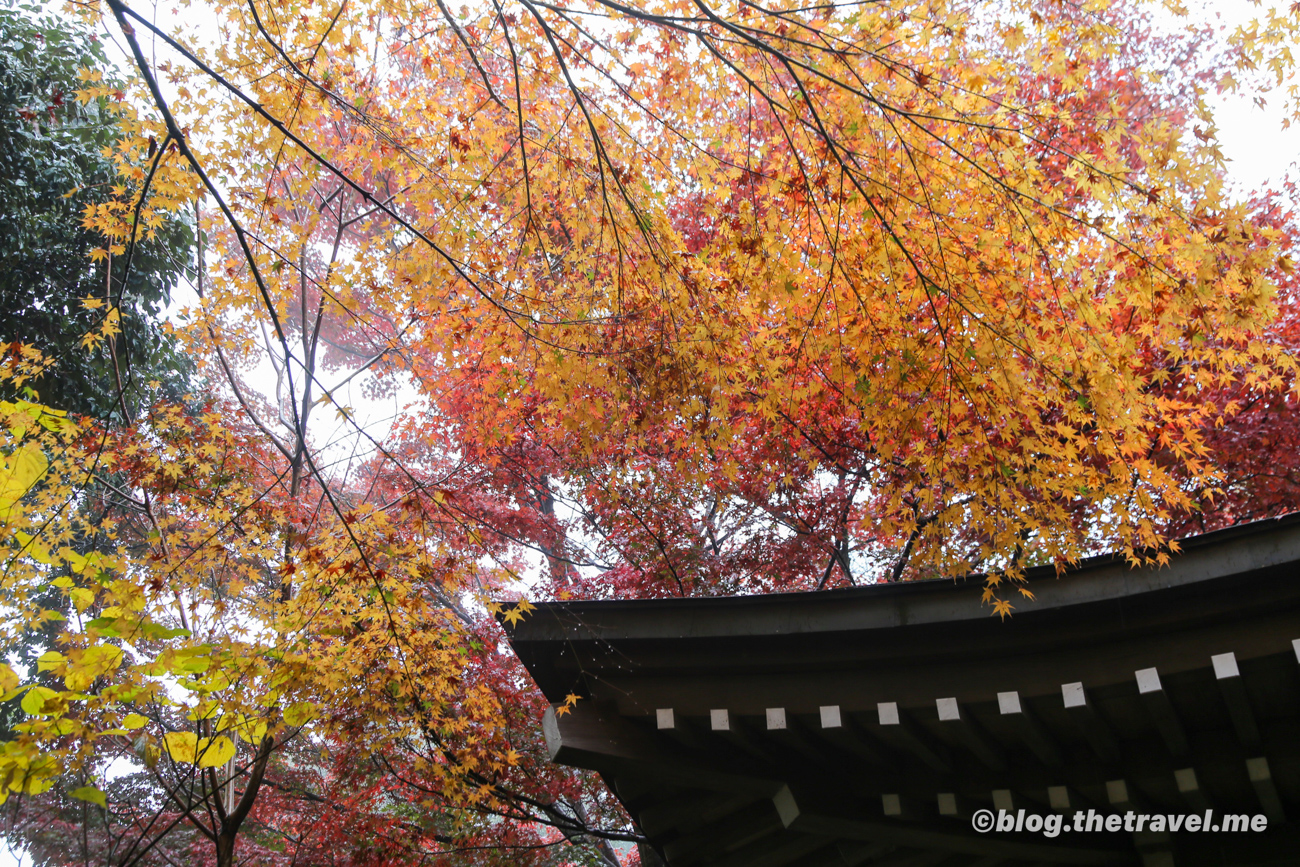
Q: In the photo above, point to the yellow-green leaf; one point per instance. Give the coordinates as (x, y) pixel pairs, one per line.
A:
(18, 473)
(102, 658)
(214, 752)
(64, 726)
(81, 598)
(42, 701)
(74, 560)
(51, 660)
(299, 713)
(91, 794)
(34, 549)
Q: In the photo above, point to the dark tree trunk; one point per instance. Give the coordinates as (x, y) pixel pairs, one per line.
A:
(226, 849)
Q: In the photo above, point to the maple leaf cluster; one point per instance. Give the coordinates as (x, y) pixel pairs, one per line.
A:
(704, 299)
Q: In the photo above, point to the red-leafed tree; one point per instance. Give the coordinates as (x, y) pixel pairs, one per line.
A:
(1252, 443)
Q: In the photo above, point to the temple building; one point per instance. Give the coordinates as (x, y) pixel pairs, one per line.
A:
(886, 725)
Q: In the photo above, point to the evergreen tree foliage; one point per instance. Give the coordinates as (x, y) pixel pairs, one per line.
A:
(53, 165)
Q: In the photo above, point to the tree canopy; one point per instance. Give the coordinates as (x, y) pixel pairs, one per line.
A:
(53, 172)
(672, 298)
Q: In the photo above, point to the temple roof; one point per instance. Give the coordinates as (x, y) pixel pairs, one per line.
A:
(866, 726)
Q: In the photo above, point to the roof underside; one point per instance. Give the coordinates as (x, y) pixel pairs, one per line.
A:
(866, 726)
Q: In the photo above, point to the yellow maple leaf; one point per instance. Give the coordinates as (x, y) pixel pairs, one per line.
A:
(569, 701)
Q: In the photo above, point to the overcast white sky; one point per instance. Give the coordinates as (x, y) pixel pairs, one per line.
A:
(1261, 152)
(1252, 138)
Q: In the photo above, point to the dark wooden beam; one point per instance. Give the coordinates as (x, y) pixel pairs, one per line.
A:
(922, 858)
(1189, 789)
(676, 726)
(968, 733)
(636, 792)
(839, 730)
(855, 854)
(907, 735)
(1061, 799)
(787, 732)
(1095, 730)
(1161, 711)
(1233, 690)
(1155, 846)
(774, 853)
(951, 804)
(1029, 729)
(595, 737)
(812, 815)
(756, 821)
(684, 814)
(741, 736)
(1261, 779)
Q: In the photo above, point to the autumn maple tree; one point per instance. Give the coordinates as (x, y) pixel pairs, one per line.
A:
(667, 298)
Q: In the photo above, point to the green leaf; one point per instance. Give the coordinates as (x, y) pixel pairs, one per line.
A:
(105, 626)
(158, 632)
(91, 794)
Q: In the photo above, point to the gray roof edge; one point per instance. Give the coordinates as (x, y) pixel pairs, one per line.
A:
(1220, 554)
